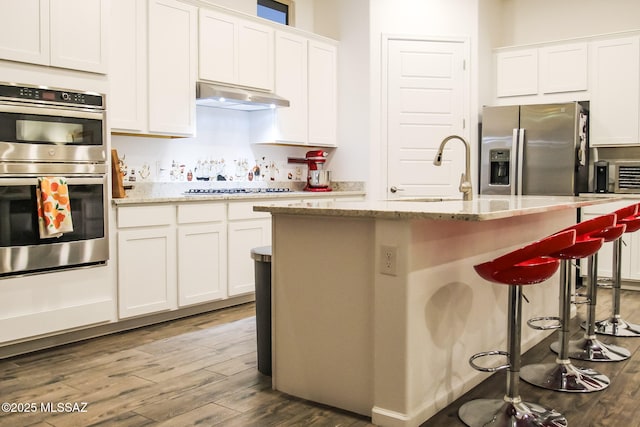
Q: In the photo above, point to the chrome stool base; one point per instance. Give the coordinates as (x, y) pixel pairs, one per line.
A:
(593, 350)
(503, 413)
(564, 377)
(617, 327)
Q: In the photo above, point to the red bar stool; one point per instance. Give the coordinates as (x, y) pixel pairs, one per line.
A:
(615, 325)
(562, 375)
(589, 347)
(525, 266)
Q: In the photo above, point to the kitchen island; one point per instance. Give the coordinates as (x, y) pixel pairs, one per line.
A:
(376, 305)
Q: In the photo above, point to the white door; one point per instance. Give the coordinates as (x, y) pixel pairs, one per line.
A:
(425, 97)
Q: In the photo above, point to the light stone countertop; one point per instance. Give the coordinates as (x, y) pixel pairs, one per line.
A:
(144, 193)
(481, 208)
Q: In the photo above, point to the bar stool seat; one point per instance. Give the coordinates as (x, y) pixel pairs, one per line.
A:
(525, 266)
(616, 325)
(589, 347)
(562, 375)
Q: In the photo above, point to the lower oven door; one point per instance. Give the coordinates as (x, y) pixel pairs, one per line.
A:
(21, 248)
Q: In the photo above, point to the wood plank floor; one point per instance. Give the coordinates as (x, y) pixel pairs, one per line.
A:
(202, 371)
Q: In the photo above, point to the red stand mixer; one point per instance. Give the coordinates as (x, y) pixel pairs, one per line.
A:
(318, 179)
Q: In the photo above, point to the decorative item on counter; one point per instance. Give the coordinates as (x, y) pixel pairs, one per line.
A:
(273, 172)
(132, 175)
(256, 172)
(189, 175)
(174, 173)
(203, 170)
(144, 171)
(250, 176)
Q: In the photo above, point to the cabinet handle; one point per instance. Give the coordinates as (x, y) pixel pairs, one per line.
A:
(395, 189)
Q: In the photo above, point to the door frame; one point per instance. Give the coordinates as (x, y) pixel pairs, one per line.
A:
(384, 99)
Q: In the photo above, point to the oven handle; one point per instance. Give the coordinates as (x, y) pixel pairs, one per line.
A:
(7, 107)
(73, 180)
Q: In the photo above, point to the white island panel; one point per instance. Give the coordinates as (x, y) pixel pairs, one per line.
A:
(396, 347)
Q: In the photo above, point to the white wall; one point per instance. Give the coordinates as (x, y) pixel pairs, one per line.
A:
(526, 21)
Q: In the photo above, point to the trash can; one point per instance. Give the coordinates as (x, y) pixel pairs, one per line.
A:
(262, 258)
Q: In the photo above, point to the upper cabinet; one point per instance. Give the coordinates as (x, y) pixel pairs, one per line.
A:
(306, 75)
(517, 73)
(235, 51)
(563, 68)
(603, 70)
(323, 93)
(552, 69)
(153, 71)
(615, 92)
(69, 34)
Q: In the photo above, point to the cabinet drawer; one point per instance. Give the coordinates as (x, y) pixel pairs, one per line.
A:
(144, 216)
(244, 210)
(197, 212)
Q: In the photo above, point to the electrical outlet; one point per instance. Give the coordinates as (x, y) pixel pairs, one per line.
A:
(388, 260)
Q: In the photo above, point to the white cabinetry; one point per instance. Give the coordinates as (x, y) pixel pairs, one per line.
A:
(146, 260)
(291, 83)
(563, 68)
(202, 253)
(517, 72)
(153, 69)
(61, 33)
(128, 69)
(550, 69)
(630, 267)
(615, 92)
(172, 67)
(247, 230)
(235, 51)
(306, 74)
(323, 92)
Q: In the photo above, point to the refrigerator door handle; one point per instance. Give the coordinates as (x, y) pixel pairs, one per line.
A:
(513, 171)
(520, 161)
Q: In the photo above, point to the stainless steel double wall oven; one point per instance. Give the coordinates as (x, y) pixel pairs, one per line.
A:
(51, 132)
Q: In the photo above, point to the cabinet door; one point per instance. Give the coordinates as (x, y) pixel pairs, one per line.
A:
(172, 67)
(322, 93)
(291, 83)
(24, 33)
(128, 66)
(202, 263)
(517, 73)
(79, 34)
(217, 47)
(563, 68)
(615, 99)
(146, 271)
(255, 55)
(244, 236)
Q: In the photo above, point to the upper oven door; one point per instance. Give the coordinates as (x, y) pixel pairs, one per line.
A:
(31, 132)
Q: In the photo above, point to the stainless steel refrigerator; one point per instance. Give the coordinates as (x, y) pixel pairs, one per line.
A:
(534, 150)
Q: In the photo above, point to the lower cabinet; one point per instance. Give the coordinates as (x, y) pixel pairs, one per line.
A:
(630, 267)
(202, 253)
(146, 260)
(247, 230)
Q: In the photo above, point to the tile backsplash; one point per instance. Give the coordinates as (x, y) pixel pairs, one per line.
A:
(227, 147)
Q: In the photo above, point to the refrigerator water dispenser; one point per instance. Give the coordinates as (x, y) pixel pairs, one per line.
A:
(499, 160)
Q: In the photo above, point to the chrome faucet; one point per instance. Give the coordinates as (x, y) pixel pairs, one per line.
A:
(465, 179)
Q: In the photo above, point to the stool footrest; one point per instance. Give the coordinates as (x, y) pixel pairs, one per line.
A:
(486, 354)
(580, 299)
(532, 323)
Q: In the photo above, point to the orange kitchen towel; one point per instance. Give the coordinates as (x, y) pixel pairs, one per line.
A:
(54, 207)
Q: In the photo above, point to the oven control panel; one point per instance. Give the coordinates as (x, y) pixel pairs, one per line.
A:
(44, 94)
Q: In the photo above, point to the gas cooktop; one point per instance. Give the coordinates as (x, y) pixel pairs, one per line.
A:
(206, 191)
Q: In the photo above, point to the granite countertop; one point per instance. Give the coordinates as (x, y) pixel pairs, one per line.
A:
(481, 208)
(143, 193)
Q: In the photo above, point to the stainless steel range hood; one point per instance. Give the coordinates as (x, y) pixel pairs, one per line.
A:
(235, 98)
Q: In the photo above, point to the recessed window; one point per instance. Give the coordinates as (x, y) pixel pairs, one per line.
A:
(278, 11)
